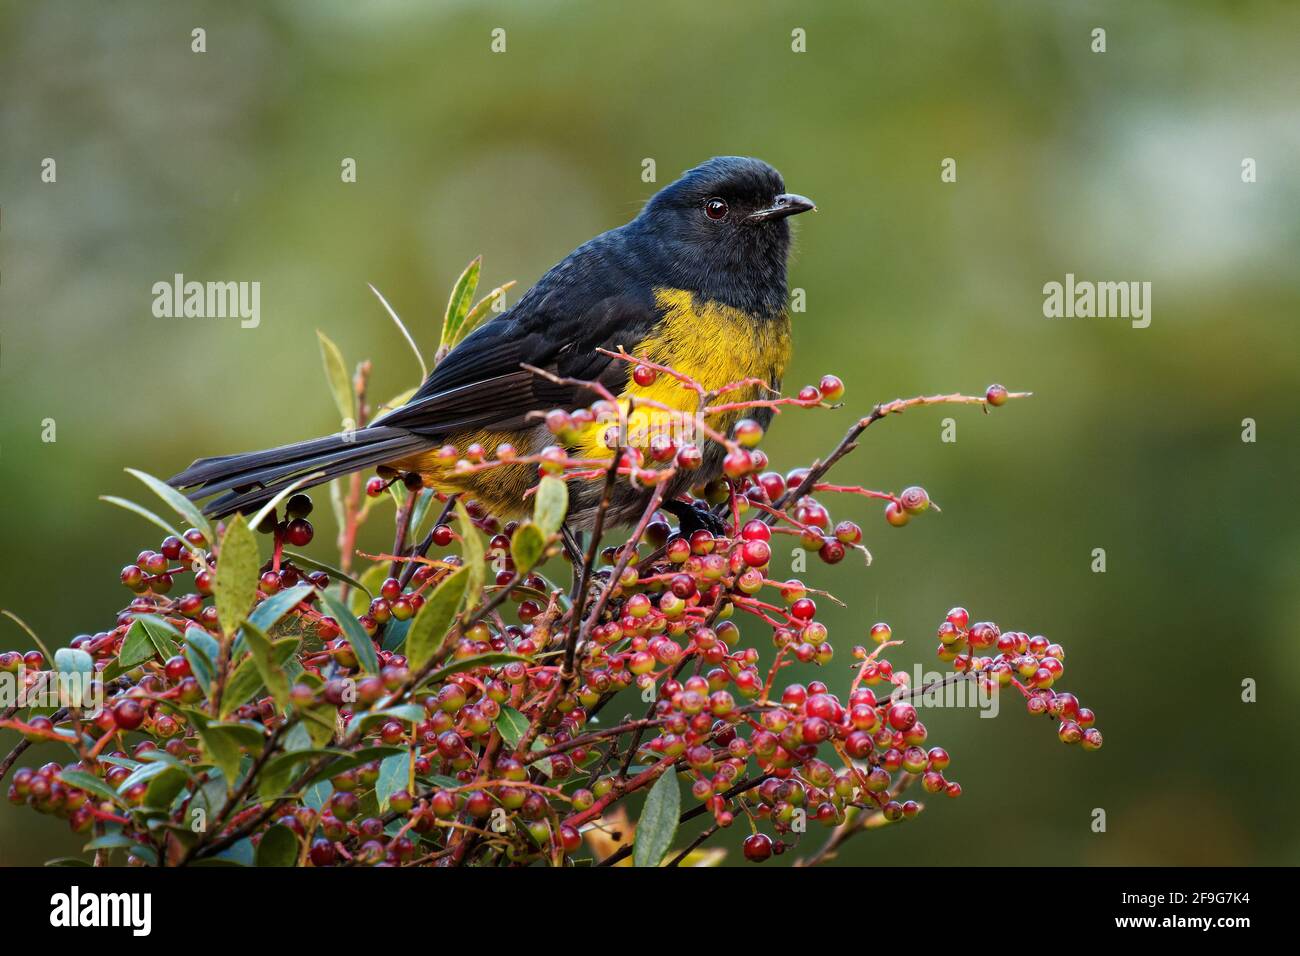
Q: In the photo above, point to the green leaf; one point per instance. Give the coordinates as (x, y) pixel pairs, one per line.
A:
(267, 614)
(480, 310)
(336, 375)
(91, 784)
(235, 587)
(512, 726)
(74, 670)
(311, 564)
(161, 634)
(264, 658)
(411, 713)
(428, 630)
(137, 646)
(278, 847)
(68, 660)
(424, 370)
(221, 743)
(462, 294)
(141, 511)
(469, 663)
(177, 501)
(110, 841)
(394, 775)
(552, 504)
(473, 552)
(527, 546)
(371, 579)
(362, 646)
(247, 680)
(201, 650)
(658, 824)
(164, 786)
(40, 644)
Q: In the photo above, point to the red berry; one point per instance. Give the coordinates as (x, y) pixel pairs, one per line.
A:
(128, 714)
(758, 847)
(914, 500)
(322, 852)
(902, 716)
(831, 388)
(299, 532)
(803, 609)
(831, 551)
(375, 487)
(644, 376)
(995, 395)
(756, 553)
(895, 514)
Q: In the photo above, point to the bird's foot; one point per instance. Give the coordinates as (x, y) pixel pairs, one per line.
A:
(695, 516)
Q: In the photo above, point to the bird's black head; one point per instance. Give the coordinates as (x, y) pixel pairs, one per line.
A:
(722, 231)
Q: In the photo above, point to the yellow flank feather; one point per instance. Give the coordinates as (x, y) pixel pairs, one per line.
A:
(714, 344)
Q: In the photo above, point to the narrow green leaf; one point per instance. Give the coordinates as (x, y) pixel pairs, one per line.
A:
(164, 786)
(74, 670)
(480, 310)
(551, 505)
(247, 680)
(512, 726)
(201, 650)
(336, 375)
(177, 501)
(468, 664)
(278, 847)
(372, 579)
(137, 646)
(91, 784)
(141, 511)
(410, 713)
(658, 824)
(362, 646)
(161, 634)
(69, 660)
(428, 630)
(473, 553)
(110, 841)
(40, 644)
(424, 369)
(462, 294)
(267, 614)
(394, 774)
(263, 656)
(311, 564)
(527, 546)
(222, 749)
(235, 587)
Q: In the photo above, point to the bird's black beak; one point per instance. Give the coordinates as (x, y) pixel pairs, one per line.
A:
(786, 204)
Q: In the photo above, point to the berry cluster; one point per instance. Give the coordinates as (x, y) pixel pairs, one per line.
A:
(454, 703)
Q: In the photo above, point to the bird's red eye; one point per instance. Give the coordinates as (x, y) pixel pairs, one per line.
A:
(715, 209)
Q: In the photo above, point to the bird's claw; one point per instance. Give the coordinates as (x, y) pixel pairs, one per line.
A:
(695, 516)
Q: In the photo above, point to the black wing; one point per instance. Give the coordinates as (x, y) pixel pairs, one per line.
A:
(481, 383)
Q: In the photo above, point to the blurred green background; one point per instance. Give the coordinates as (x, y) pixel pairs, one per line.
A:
(1117, 166)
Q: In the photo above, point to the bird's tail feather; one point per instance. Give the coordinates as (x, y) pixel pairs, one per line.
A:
(252, 479)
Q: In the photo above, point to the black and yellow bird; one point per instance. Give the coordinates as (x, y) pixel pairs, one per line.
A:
(696, 282)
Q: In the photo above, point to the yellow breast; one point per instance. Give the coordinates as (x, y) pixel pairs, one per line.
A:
(714, 344)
